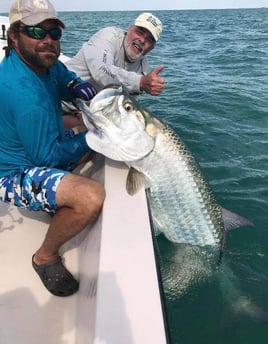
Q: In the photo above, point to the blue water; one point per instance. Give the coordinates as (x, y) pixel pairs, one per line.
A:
(216, 98)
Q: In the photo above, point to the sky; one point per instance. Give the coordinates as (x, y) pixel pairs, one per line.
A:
(107, 5)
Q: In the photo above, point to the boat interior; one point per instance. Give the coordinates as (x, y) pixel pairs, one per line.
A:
(119, 300)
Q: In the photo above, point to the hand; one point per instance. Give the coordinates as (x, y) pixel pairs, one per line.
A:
(82, 90)
(72, 120)
(152, 83)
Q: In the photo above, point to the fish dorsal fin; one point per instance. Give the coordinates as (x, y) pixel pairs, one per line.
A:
(232, 220)
(135, 181)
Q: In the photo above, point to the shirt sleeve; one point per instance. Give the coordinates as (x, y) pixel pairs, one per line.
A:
(64, 77)
(39, 136)
(101, 61)
(46, 146)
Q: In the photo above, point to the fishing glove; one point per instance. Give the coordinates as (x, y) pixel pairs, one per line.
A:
(82, 90)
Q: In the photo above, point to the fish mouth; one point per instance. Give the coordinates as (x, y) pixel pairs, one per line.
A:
(117, 126)
(107, 93)
(109, 98)
(95, 108)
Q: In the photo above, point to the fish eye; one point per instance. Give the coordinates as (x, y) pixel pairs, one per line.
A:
(128, 106)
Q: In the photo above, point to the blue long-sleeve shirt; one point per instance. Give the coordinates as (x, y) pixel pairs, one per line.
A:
(31, 127)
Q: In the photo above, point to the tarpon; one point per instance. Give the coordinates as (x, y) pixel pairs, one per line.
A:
(182, 204)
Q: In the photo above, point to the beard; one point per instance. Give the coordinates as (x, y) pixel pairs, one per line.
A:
(134, 50)
(41, 57)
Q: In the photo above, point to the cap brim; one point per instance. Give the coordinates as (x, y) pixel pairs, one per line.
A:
(39, 19)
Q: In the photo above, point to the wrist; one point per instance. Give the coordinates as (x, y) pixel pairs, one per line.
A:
(142, 79)
(73, 83)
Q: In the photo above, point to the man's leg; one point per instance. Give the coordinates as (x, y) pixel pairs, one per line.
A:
(80, 201)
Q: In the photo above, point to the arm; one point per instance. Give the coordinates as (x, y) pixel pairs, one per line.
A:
(46, 145)
(71, 85)
(37, 117)
(102, 62)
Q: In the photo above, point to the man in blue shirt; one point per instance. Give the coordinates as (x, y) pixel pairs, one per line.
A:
(35, 154)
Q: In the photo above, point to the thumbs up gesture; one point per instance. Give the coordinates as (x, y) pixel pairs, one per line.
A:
(152, 83)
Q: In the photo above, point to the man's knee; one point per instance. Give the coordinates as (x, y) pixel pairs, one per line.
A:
(79, 191)
(96, 194)
(92, 196)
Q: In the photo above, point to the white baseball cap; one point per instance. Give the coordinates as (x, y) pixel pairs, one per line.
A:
(32, 12)
(151, 23)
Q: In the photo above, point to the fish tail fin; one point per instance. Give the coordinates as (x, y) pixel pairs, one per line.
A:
(237, 302)
(245, 306)
(232, 220)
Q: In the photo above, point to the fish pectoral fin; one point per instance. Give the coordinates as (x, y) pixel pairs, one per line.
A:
(135, 181)
(232, 220)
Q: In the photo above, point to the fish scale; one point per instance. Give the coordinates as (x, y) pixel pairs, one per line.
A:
(179, 196)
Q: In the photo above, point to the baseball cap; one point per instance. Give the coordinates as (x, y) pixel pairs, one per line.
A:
(151, 23)
(32, 12)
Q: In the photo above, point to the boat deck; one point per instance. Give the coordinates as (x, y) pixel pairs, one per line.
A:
(118, 301)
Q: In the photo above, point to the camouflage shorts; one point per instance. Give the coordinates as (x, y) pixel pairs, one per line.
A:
(34, 189)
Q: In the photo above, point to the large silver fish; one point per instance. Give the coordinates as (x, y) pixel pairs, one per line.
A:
(182, 204)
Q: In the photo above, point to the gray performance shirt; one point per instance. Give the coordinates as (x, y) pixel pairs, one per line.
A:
(101, 61)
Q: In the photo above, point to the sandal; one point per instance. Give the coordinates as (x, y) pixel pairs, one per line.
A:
(56, 278)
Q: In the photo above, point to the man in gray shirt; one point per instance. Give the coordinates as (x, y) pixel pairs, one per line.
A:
(116, 56)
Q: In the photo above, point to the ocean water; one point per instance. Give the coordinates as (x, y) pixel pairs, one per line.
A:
(216, 98)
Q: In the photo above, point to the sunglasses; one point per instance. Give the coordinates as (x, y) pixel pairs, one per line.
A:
(36, 32)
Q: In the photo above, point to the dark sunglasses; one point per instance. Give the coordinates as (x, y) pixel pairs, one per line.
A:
(36, 32)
